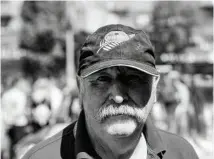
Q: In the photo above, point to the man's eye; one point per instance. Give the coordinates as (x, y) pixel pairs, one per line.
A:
(104, 79)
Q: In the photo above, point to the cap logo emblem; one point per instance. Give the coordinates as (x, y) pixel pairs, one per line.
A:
(113, 39)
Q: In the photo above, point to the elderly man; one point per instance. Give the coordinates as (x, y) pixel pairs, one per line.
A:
(117, 82)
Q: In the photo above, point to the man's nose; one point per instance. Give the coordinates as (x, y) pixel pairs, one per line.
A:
(118, 93)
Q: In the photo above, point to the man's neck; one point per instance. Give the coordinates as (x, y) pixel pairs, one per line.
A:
(114, 147)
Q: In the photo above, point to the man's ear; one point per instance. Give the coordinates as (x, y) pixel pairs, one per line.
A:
(78, 82)
(154, 85)
(80, 88)
(155, 81)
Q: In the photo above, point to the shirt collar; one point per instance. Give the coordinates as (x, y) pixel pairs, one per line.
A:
(83, 145)
(140, 151)
(153, 138)
(84, 148)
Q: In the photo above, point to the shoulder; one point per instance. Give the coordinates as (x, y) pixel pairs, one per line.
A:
(52, 147)
(178, 145)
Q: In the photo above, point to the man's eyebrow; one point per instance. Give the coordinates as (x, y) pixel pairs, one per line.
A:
(100, 73)
(105, 71)
(133, 71)
(138, 73)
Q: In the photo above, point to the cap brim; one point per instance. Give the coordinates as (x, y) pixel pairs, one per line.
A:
(119, 62)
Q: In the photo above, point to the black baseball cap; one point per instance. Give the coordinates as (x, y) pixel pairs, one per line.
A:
(117, 45)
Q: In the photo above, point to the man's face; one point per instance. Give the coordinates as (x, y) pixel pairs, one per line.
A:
(117, 99)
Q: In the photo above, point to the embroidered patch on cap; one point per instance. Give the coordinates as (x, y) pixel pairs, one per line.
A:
(113, 39)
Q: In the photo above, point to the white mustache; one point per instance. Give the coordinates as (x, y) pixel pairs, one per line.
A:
(112, 110)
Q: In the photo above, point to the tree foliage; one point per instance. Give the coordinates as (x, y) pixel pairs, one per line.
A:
(172, 22)
(44, 23)
(43, 36)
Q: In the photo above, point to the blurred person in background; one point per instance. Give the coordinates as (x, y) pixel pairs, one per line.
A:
(177, 103)
(16, 111)
(45, 91)
(5, 141)
(196, 114)
(39, 125)
(41, 113)
(46, 101)
(117, 81)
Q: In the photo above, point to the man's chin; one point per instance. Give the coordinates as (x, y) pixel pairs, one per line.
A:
(121, 127)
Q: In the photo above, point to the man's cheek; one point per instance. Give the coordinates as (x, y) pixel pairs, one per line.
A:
(91, 105)
(141, 96)
(98, 92)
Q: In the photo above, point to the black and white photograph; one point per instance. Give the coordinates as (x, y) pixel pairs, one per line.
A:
(106, 79)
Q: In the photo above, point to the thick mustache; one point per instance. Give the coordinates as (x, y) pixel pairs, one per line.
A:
(112, 110)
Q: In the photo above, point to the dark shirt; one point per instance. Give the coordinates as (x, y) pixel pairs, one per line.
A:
(73, 142)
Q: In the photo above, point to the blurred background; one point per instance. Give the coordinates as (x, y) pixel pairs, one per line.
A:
(40, 41)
